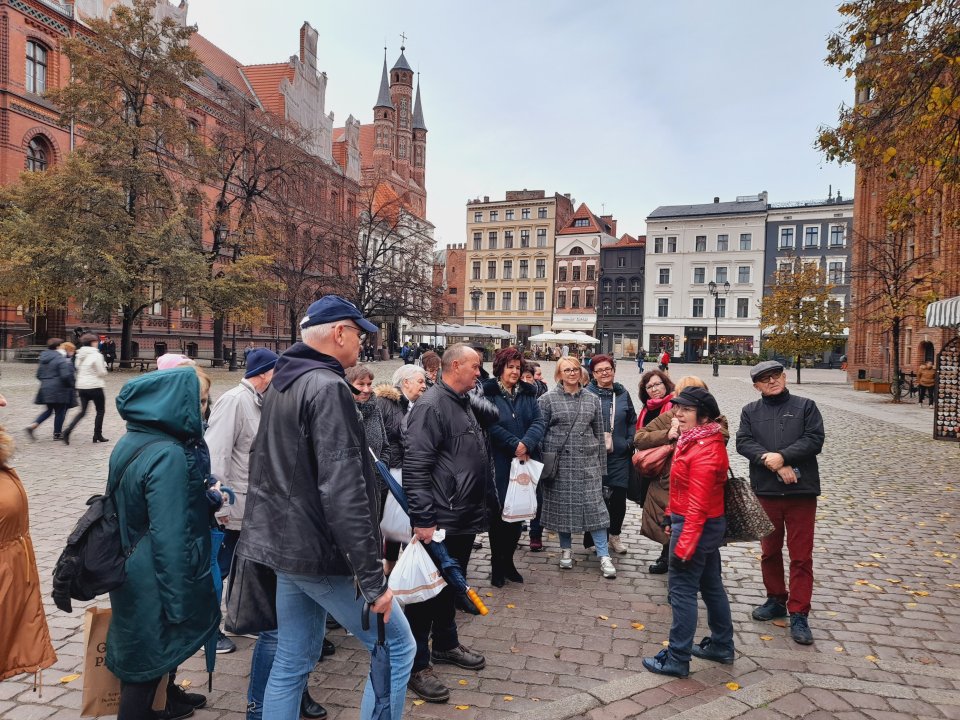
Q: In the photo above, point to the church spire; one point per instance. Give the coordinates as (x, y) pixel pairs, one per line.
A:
(383, 99)
(418, 123)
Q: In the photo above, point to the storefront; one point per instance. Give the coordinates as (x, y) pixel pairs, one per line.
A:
(946, 411)
(694, 343)
(732, 345)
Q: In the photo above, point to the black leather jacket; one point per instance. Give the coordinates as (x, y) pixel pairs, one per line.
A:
(447, 469)
(312, 499)
(785, 424)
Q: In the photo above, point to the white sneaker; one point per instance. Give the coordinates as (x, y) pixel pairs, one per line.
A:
(606, 567)
(566, 559)
(616, 545)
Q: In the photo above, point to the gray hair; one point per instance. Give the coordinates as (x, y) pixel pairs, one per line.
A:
(406, 372)
(453, 354)
(316, 334)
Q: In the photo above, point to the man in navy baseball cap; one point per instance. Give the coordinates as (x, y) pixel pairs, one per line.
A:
(331, 308)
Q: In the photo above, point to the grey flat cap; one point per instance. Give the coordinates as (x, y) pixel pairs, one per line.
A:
(764, 368)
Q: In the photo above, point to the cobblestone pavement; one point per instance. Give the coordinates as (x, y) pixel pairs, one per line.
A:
(568, 645)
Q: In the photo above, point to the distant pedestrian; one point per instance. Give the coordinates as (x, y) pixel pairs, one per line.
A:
(926, 380)
(781, 435)
(664, 361)
(109, 352)
(641, 353)
(91, 379)
(573, 500)
(431, 366)
(56, 376)
(696, 525)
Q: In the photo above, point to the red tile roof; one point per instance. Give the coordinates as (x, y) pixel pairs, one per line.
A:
(219, 63)
(265, 80)
(630, 241)
(583, 213)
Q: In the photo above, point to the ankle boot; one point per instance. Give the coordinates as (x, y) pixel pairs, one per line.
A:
(100, 439)
(496, 572)
(310, 708)
(510, 570)
(661, 566)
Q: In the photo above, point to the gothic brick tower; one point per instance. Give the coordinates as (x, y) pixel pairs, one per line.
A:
(401, 93)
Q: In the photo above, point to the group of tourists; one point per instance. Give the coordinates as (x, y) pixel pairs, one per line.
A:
(288, 476)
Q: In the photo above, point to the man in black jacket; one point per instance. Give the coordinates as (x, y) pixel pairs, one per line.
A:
(781, 435)
(312, 508)
(449, 484)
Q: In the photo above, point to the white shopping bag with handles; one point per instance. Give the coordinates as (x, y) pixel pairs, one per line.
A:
(521, 500)
(415, 577)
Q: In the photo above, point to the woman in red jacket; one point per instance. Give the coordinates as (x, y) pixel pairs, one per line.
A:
(695, 512)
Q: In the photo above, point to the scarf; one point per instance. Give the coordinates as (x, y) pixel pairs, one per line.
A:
(658, 403)
(510, 395)
(699, 432)
(373, 425)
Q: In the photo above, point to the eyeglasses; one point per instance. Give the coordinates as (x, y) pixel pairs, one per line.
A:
(651, 386)
(769, 379)
(571, 370)
(603, 371)
(360, 333)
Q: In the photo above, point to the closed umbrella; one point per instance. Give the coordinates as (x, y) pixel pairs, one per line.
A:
(210, 647)
(379, 667)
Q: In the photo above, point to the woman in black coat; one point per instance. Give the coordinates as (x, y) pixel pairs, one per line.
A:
(517, 434)
(56, 377)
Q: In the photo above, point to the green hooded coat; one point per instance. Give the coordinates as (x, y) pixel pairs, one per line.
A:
(167, 608)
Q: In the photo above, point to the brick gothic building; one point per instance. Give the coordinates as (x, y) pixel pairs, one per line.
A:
(32, 62)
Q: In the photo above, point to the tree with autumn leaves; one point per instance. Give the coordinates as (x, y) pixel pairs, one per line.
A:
(800, 316)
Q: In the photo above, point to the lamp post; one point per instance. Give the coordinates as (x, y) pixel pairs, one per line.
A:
(714, 290)
(475, 295)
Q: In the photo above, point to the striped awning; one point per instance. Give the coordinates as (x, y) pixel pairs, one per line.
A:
(944, 313)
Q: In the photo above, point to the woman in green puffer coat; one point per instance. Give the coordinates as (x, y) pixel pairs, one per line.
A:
(167, 607)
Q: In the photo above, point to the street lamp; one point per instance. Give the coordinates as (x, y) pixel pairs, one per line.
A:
(714, 290)
(475, 295)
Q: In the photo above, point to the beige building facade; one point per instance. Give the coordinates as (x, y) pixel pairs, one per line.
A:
(510, 260)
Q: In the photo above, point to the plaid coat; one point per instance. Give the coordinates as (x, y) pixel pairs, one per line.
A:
(574, 501)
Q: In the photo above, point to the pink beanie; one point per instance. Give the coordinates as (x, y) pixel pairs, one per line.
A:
(172, 360)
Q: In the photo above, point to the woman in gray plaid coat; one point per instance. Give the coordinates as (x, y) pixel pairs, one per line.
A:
(573, 501)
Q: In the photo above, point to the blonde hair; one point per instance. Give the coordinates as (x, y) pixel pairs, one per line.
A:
(6, 446)
(68, 347)
(689, 381)
(572, 362)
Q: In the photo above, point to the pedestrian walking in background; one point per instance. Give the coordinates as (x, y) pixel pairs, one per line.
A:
(448, 479)
(664, 361)
(927, 381)
(656, 434)
(91, 376)
(25, 646)
(781, 435)
(696, 529)
(573, 500)
(641, 356)
(166, 609)
(619, 420)
(325, 548)
(55, 373)
(517, 434)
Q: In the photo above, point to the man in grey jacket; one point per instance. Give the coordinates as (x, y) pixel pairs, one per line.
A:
(781, 435)
(312, 510)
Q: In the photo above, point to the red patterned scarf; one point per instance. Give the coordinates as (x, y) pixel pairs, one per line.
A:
(697, 433)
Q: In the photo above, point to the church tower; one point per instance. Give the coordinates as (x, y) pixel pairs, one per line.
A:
(401, 94)
(384, 120)
(419, 142)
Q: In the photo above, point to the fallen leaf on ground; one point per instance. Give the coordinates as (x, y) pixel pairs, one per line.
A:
(732, 686)
(511, 606)
(871, 658)
(919, 593)
(665, 643)
(766, 637)
(780, 623)
(556, 654)
(893, 581)
(69, 678)
(508, 698)
(832, 613)
(463, 707)
(461, 682)
(838, 648)
(614, 627)
(911, 605)
(489, 594)
(954, 585)
(514, 649)
(877, 555)
(419, 702)
(637, 626)
(602, 617)
(186, 684)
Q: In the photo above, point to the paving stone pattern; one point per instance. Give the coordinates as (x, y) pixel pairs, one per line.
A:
(886, 606)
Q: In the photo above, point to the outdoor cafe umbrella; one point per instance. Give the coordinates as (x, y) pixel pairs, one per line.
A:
(449, 568)
(379, 667)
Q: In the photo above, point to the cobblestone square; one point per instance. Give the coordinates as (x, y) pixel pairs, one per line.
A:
(886, 606)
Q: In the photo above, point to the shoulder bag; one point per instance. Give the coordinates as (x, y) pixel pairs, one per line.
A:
(747, 521)
(650, 462)
(551, 458)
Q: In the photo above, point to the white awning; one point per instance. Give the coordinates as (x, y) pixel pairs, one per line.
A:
(583, 325)
(944, 313)
(468, 331)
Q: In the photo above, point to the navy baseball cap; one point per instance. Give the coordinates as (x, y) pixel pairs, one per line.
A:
(331, 308)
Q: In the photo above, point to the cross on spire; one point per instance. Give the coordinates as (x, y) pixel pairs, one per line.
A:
(403, 41)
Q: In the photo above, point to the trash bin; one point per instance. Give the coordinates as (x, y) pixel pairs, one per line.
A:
(159, 348)
(861, 374)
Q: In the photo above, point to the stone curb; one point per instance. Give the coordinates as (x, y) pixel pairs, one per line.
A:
(899, 667)
(881, 689)
(725, 708)
(766, 691)
(564, 708)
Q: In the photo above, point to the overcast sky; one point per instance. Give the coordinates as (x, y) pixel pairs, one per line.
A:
(625, 104)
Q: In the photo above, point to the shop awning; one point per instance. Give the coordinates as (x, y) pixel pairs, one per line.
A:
(944, 313)
(470, 331)
(583, 325)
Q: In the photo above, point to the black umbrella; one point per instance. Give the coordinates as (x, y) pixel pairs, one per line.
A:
(449, 568)
(379, 667)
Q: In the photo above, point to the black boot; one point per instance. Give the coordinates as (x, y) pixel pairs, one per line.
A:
(661, 566)
(496, 572)
(510, 570)
(310, 708)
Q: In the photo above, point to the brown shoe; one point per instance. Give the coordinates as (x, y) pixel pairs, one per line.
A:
(427, 685)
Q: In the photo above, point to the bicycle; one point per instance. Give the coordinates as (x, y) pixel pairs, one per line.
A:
(903, 385)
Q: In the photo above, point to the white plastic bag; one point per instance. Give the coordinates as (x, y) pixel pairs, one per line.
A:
(415, 577)
(521, 500)
(395, 525)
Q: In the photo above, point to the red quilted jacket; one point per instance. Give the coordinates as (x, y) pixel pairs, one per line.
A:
(696, 488)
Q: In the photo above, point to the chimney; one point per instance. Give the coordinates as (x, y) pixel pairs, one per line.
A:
(486, 198)
(716, 199)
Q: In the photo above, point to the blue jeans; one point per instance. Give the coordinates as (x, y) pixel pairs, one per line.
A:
(59, 412)
(599, 541)
(701, 574)
(302, 606)
(260, 664)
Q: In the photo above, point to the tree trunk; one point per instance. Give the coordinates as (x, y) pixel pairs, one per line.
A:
(798, 369)
(126, 336)
(218, 341)
(292, 317)
(895, 351)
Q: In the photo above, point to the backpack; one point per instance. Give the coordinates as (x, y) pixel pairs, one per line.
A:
(93, 562)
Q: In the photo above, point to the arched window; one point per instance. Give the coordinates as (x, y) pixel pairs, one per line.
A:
(634, 284)
(36, 68)
(576, 251)
(38, 154)
(621, 285)
(607, 285)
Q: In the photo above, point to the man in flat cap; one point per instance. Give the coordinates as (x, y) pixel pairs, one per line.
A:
(312, 510)
(781, 435)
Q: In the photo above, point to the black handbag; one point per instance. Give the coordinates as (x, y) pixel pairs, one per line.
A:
(747, 521)
(251, 598)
